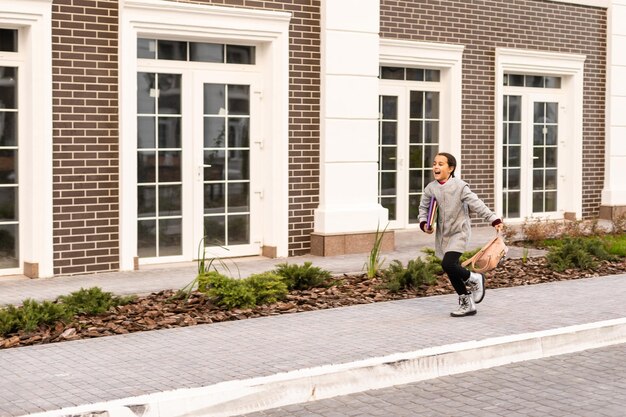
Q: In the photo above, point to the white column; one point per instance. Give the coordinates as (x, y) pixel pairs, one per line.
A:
(614, 192)
(349, 118)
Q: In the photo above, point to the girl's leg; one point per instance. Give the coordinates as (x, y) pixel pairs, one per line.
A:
(456, 273)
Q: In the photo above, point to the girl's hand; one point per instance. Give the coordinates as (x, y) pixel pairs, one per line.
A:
(429, 231)
(499, 227)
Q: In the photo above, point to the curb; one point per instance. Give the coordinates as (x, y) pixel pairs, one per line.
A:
(237, 397)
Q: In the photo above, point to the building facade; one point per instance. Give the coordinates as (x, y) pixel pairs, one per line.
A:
(137, 132)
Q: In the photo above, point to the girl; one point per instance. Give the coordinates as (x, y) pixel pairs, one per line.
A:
(455, 200)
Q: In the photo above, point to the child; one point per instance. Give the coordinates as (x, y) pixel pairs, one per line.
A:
(455, 200)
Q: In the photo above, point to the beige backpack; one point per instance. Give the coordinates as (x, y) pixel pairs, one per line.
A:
(489, 256)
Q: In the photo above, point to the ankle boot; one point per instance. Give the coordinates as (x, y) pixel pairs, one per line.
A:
(466, 306)
(476, 283)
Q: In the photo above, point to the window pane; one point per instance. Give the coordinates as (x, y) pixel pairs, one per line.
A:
(238, 197)
(388, 160)
(8, 128)
(553, 82)
(551, 157)
(146, 48)
(214, 133)
(431, 132)
(513, 204)
(431, 75)
(169, 166)
(538, 202)
(239, 99)
(432, 105)
(146, 238)
(8, 166)
(416, 131)
(552, 135)
(538, 179)
(206, 52)
(534, 81)
(416, 110)
(552, 113)
(550, 179)
(416, 181)
(551, 201)
(238, 132)
(8, 87)
(515, 108)
(389, 107)
(146, 132)
(414, 74)
(170, 237)
(214, 198)
(387, 183)
(214, 99)
(170, 200)
(515, 133)
(538, 113)
(538, 138)
(146, 169)
(516, 80)
(238, 165)
(215, 230)
(173, 50)
(146, 201)
(514, 179)
(388, 133)
(416, 157)
(169, 93)
(237, 54)
(514, 157)
(538, 158)
(392, 73)
(8, 204)
(239, 230)
(430, 151)
(146, 93)
(8, 40)
(414, 202)
(214, 162)
(169, 132)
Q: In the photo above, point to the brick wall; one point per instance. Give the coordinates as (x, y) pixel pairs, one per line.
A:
(85, 135)
(304, 109)
(483, 25)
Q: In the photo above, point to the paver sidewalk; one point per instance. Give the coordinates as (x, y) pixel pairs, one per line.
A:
(48, 377)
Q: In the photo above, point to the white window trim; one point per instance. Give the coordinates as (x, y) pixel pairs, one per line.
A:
(34, 19)
(222, 25)
(571, 68)
(445, 57)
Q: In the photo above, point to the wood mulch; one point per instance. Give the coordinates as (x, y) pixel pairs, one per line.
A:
(163, 310)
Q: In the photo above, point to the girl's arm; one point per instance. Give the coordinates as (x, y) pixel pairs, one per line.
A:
(477, 206)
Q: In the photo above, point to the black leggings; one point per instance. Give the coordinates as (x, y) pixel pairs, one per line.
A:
(456, 273)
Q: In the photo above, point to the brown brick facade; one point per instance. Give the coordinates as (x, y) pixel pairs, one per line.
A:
(483, 25)
(85, 135)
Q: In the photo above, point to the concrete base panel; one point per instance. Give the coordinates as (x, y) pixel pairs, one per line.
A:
(343, 244)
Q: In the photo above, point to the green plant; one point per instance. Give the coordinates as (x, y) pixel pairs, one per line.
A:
(524, 255)
(30, 315)
(226, 292)
(263, 288)
(267, 287)
(416, 274)
(616, 244)
(374, 264)
(205, 265)
(581, 253)
(91, 301)
(301, 277)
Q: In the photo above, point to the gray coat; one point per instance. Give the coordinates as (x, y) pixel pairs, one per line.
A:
(455, 201)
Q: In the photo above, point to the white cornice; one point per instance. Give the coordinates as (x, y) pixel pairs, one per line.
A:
(603, 4)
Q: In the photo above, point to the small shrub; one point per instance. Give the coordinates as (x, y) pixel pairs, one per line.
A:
(416, 274)
(536, 230)
(301, 277)
(91, 301)
(30, 315)
(577, 253)
(267, 287)
(619, 223)
(226, 292)
(616, 245)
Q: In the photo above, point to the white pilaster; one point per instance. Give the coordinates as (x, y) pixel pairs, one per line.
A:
(349, 118)
(614, 192)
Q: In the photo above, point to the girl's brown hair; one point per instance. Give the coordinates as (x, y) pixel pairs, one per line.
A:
(451, 161)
